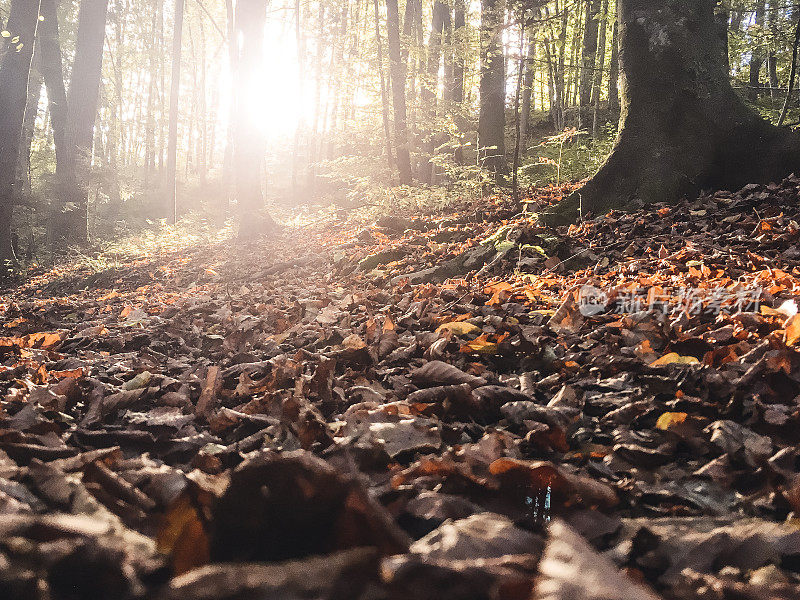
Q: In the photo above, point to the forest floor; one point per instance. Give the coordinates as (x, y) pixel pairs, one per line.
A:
(445, 406)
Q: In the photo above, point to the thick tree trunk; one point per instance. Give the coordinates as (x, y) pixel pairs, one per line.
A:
(683, 128)
(249, 140)
(15, 67)
(792, 74)
(492, 116)
(72, 223)
(397, 71)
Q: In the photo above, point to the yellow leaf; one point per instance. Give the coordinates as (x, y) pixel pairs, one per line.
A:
(792, 330)
(673, 358)
(668, 419)
(458, 328)
(480, 345)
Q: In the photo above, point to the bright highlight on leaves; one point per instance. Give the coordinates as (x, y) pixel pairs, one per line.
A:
(458, 328)
(670, 419)
(673, 358)
(792, 334)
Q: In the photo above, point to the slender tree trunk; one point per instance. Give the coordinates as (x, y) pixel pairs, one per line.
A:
(53, 72)
(560, 78)
(301, 60)
(459, 67)
(23, 181)
(575, 72)
(757, 59)
(228, 176)
(429, 88)
(772, 57)
(15, 66)
(384, 96)
(613, 74)
(589, 51)
(597, 86)
(683, 128)
(82, 103)
(150, 122)
(517, 119)
(313, 138)
(249, 141)
(527, 92)
(492, 117)
(174, 104)
(792, 75)
(397, 68)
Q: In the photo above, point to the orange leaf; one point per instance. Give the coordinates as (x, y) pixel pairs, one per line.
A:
(480, 345)
(792, 331)
(673, 358)
(669, 419)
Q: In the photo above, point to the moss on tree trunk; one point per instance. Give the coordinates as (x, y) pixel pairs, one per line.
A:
(682, 127)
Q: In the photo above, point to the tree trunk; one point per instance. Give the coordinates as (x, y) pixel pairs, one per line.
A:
(70, 223)
(613, 73)
(772, 57)
(171, 209)
(228, 176)
(757, 58)
(792, 74)
(52, 67)
(15, 67)
(429, 88)
(517, 120)
(597, 86)
(683, 127)
(23, 182)
(249, 140)
(492, 116)
(384, 96)
(527, 91)
(589, 51)
(397, 69)
(301, 60)
(459, 65)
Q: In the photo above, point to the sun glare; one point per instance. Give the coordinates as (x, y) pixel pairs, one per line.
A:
(273, 102)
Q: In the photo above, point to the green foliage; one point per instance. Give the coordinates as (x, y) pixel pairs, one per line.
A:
(564, 158)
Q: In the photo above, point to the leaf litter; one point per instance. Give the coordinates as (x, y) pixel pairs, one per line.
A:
(462, 405)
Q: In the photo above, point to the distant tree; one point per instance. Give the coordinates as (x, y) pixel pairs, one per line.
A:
(430, 86)
(590, 35)
(757, 55)
(249, 139)
(174, 105)
(492, 117)
(15, 66)
(397, 74)
(74, 117)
